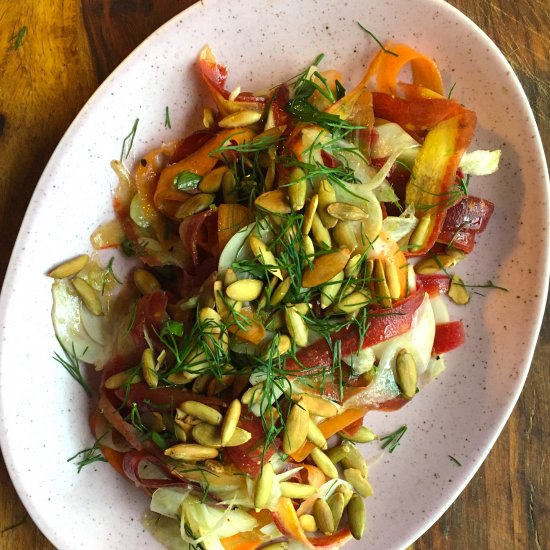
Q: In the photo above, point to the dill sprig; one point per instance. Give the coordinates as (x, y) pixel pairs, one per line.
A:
(89, 456)
(391, 441)
(384, 49)
(167, 123)
(128, 141)
(109, 274)
(72, 365)
(453, 459)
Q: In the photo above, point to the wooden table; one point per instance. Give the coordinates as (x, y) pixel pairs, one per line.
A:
(71, 46)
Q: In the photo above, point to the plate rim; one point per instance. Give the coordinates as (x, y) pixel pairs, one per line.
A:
(425, 525)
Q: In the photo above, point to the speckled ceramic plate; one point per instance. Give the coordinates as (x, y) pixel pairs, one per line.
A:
(44, 413)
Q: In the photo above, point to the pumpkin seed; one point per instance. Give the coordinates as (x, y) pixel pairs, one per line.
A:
(354, 459)
(307, 247)
(212, 182)
(210, 436)
(234, 93)
(331, 289)
(229, 188)
(180, 378)
(208, 117)
(308, 523)
(323, 517)
(229, 277)
(362, 435)
(318, 406)
(70, 267)
(180, 433)
(315, 435)
(253, 394)
(325, 267)
(146, 282)
(275, 202)
(320, 233)
(214, 466)
(280, 292)
(381, 286)
(336, 503)
(245, 290)
(420, 233)
(337, 454)
(296, 428)
(201, 383)
(406, 374)
(202, 412)
(344, 235)
(358, 482)
(324, 463)
(264, 256)
(123, 378)
(353, 266)
(230, 421)
(210, 320)
(282, 346)
(346, 492)
(194, 204)
(458, 292)
(296, 490)
(88, 296)
(263, 486)
(356, 516)
(190, 452)
(309, 213)
(148, 369)
(437, 263)
(392, 279)
(354, 301)
(296, 326)
(240, 119)
(297, 188)
(327, 196)
(302, 308)
(346, 212)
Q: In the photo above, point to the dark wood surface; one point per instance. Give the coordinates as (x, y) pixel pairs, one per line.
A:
(71, 46)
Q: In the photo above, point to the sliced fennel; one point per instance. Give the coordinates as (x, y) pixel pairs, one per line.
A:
(480, 163)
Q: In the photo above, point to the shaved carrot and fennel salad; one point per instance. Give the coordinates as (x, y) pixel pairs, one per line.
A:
(290, 259)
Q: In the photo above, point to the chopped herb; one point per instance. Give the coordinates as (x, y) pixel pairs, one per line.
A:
(129, 141)
(377, 41)
(489, 284)
(186, 180)
(89, 456)
(17, 39)
(132, 318)
(391, 441)
(109, 273)
(451, 91)
(167, 123)
(455, 460)
(72, 365)
(340, 90)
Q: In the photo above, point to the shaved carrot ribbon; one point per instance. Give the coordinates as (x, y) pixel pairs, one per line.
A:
(434, 174)
(200, 162)
(385, 69)
(249, 540)
(330, 427)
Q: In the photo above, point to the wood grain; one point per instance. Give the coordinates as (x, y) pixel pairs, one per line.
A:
(71, 46)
